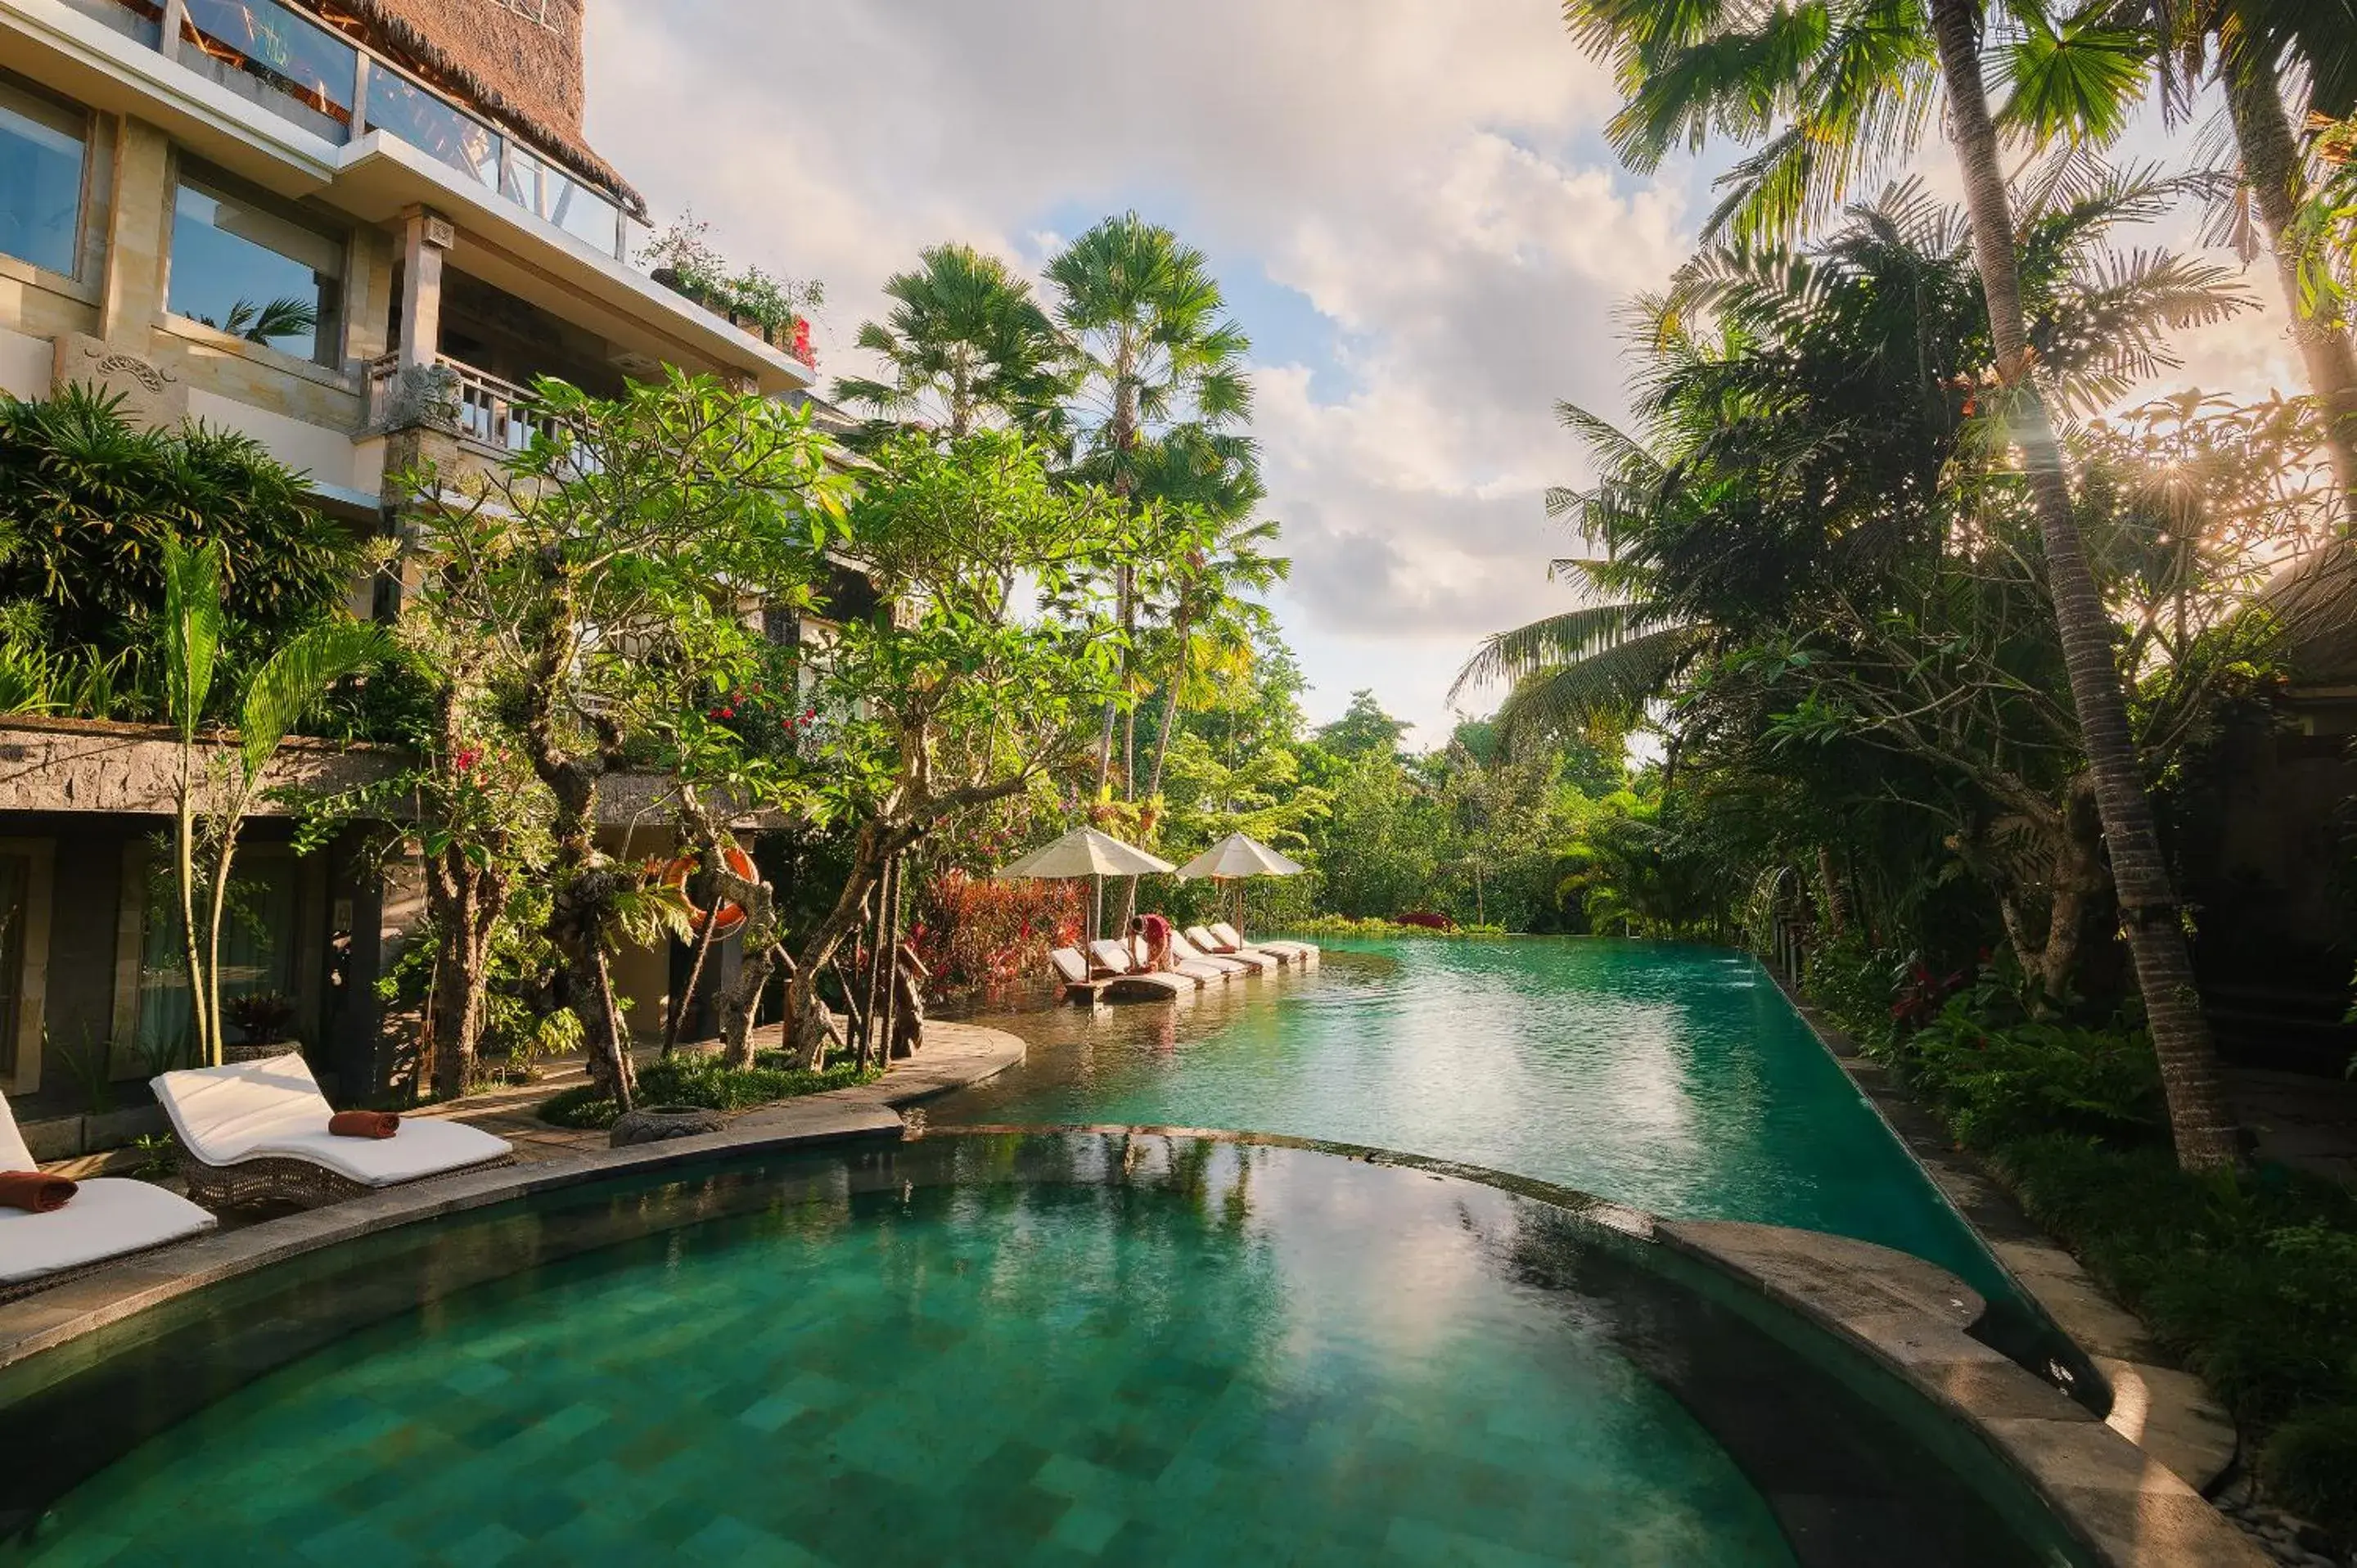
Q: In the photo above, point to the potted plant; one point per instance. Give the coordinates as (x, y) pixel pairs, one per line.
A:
(265, 1018)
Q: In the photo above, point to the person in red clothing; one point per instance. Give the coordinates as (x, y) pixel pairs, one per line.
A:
(1156, 932)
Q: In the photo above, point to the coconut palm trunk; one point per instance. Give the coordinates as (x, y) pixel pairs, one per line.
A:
(2273, 168)
(2199, 1120)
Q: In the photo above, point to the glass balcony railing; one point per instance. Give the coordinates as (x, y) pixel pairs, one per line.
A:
(308, 73)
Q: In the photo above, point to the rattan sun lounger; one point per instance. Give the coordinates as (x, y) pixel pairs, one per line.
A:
(108, 1218)
(258, 1132)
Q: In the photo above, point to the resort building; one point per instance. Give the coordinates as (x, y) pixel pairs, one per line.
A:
(353, 230)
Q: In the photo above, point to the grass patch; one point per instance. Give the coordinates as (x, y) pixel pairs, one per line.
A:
(706, 1082)
(1351, 926)
(2249, 1277)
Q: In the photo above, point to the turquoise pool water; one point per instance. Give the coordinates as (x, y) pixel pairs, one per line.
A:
(973, 1350)
(1676, 1079)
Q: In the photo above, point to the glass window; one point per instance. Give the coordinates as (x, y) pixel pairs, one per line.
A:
(399, 105)
(257, 947)
(562, 201)
(256, 271)
(41, 146)
(300, 70)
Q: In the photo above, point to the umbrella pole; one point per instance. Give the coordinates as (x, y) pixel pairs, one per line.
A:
(1096, 910)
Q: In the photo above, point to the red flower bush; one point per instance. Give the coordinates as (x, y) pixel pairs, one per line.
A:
(972, 932)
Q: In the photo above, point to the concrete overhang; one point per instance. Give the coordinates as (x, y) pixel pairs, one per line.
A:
(375, 179)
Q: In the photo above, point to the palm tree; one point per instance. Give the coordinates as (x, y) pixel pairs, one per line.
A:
(1831, 91)
(2256, 48)
(1155, 359)
(965, 345)
(212, 798)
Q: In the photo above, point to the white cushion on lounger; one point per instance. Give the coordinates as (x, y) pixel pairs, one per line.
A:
(224, 1113)
(273, 1111)
(1113, 955)
(107, 1216)
(423, 1146)
(1070, 965)
(1186, 952)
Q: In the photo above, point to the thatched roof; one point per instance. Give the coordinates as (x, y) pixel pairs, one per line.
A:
(494, 55)
(2316, 600)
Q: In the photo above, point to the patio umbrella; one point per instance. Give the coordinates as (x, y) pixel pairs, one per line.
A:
(1237, 857)
(1084, 852)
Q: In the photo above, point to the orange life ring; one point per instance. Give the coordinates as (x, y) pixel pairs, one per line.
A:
(729, 918)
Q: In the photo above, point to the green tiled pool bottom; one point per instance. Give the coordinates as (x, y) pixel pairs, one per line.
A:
(979, 1350)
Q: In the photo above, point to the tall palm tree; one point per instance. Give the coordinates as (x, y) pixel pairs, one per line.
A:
(1154, 355)
(2259, 51)
(965, 345)
(1830, 90)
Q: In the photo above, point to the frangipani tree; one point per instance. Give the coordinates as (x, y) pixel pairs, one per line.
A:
(964, 692)
(604, 572)
(216, 786)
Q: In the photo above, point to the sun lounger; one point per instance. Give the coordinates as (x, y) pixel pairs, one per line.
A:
(1209, 946)
(1291, 953)
(107, 1218)
(1189, 954)
(1130, 976)
(1212, 942)
(256, 1132)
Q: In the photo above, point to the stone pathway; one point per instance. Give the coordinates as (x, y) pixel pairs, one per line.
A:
(955, 1055)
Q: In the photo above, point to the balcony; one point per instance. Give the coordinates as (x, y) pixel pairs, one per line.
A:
(472, 404)
(307, 74)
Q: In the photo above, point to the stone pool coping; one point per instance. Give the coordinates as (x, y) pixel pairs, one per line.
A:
(2165, 1410)
(1907, 1316)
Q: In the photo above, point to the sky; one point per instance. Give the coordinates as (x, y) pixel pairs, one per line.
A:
(1409, 204)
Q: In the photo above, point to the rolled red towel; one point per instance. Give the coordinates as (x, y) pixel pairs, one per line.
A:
(33, 1192)
(364, 1124)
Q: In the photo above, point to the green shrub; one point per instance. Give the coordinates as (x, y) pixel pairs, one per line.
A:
(1996, 1084)
(1353, 926)
(705, 1081)
(2311, 1464)
(1858, 985)
(2249, 1277)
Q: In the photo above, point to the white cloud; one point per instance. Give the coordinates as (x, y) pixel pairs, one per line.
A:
(1426, 175)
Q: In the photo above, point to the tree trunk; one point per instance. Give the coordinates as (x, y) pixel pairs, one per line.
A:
(741, 1001)
(681, 1005)
(2075, 879)
(2203, 1129)
(2273, 168)
(184, 867)
(467, 904)
(806, 1032)
(1837, 898)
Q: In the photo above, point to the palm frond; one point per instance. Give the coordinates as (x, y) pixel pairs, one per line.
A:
(291, 682)
(1568, 638)
(1612, 685)
(193, 621)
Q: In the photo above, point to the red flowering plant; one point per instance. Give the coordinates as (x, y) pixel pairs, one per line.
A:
(973, 933)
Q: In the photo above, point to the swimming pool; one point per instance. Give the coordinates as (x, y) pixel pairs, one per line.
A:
(994, 1348)
(1674, 1079)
